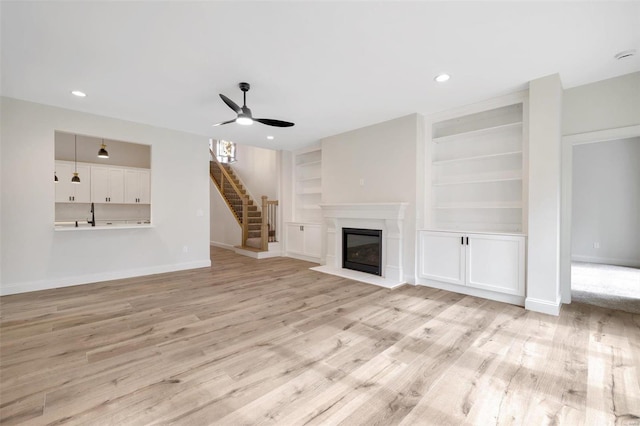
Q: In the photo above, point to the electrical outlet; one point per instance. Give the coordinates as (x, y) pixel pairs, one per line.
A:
(185, 249)
(596, 245)
(361, 182)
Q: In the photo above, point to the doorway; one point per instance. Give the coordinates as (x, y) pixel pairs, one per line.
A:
(605, 223)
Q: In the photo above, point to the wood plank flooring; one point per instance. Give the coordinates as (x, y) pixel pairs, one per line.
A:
(271, 342)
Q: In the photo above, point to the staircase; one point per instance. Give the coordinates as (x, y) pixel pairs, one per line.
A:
(257, 231)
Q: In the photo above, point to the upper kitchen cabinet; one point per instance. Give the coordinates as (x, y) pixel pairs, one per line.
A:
(107, 184)
(68, 191)
(137, 187)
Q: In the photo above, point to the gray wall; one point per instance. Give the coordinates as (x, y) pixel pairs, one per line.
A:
(606, 202)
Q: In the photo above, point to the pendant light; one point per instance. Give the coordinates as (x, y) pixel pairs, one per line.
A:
(103, 152)
(75, 178)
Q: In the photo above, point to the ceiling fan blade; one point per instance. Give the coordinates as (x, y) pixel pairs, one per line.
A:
(276, 123)
(234, 106)
(225, 122)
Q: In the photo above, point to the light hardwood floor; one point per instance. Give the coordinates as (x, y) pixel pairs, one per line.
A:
(271, 342)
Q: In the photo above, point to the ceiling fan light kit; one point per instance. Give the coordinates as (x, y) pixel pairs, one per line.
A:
(245, 118)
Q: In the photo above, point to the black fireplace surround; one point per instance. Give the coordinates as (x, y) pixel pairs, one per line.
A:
(362, 250)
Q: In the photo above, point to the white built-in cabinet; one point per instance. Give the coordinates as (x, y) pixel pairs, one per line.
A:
(475, 230)
(68, 192)
(484, 261)
(308, 185)
(107, 184)
(303, 240)
(477, 166)
(137, 187)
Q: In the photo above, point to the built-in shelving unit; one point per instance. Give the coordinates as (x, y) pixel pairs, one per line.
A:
(308, 185)
(478, 172)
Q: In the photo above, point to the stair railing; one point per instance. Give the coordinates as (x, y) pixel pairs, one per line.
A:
(269, 220)
(243, 220)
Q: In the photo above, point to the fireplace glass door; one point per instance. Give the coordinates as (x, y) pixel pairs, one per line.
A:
(362, 250)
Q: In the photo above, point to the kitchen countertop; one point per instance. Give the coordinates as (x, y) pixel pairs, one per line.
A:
(83, 226)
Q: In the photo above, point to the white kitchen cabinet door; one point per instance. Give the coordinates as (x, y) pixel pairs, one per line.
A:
(312, 240)
(137, 187)
(442, 257)
(496, 263)
(67, 192)
(107, 185)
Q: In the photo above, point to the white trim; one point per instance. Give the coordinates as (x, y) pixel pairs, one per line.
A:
(512, 98)
(568, 142)
(222, 245)
(543, 306)
(602, 135)
(360, 276)
(472, 291)
(303, 257)
(94, 278)
(631, 263)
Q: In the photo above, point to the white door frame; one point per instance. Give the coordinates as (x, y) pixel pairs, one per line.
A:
(566, 185)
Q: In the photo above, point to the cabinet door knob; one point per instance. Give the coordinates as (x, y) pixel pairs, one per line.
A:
(462, 240)
(467, 240)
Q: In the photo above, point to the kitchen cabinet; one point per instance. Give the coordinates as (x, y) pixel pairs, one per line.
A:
(303, 241)
(137, 187)
(68, 192)
(490, 262)
(107, 184)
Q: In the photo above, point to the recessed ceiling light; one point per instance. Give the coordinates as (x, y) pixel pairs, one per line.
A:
(625, 54)
(441, 78)
(79, 94)
(270, 138)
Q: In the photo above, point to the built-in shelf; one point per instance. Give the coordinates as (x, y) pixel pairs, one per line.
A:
(471, 180)
(308, 185)
(478, 175)
(480, 205)
(477, 157)
(477, 132)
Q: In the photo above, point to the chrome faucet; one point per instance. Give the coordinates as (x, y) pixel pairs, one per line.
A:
(93, 216)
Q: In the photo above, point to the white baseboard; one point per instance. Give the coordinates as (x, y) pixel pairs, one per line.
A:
(222, 245)
(543, 306)
(303, 257)
(26, 287)
(470, 291)
(632, 263)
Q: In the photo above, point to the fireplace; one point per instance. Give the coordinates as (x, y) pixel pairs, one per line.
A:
(362, 250)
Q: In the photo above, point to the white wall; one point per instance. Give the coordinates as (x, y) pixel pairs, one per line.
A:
(607, 104)
(606, 202)
(257, 168)
(545, 118)
(383, 156)
(34, 256)
(225, 230)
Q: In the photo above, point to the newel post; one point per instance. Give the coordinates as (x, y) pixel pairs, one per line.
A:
(264, 228)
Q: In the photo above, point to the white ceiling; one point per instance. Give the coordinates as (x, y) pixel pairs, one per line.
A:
(329, 67)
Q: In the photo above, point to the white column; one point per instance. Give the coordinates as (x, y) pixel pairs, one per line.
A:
(545, 135)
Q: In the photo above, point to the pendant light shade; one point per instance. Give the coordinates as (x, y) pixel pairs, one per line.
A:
(103, 152)
(75, 178)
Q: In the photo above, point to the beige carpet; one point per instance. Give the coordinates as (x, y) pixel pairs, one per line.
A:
(608, 286)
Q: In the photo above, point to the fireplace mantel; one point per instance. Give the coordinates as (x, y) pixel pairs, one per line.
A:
(388, 217)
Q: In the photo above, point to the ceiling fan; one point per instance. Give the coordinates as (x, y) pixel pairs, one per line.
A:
(244, 114)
